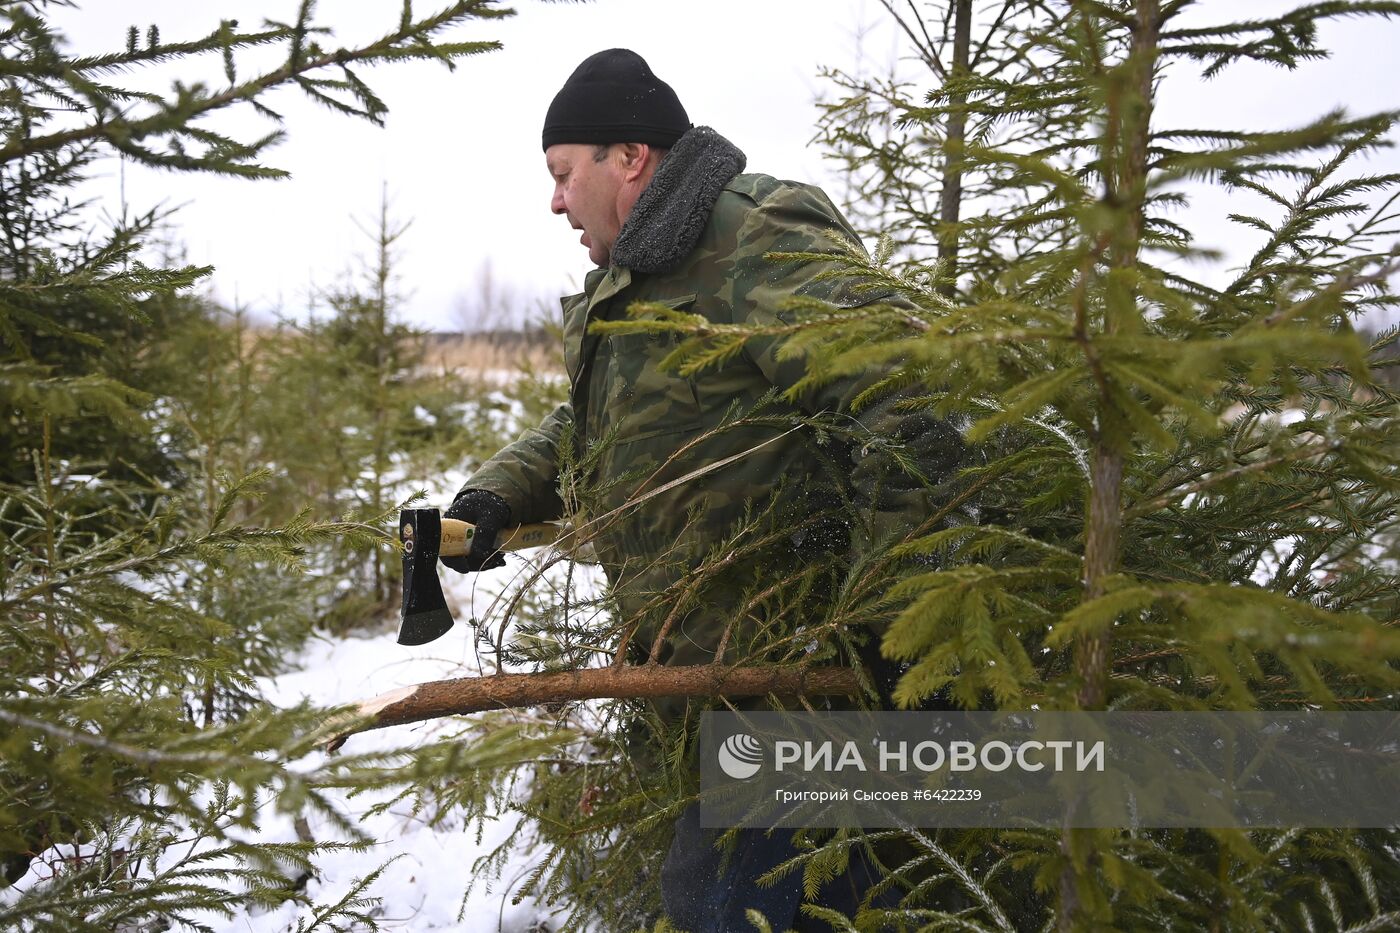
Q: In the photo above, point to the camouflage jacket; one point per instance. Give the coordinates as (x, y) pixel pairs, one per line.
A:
(637, 428)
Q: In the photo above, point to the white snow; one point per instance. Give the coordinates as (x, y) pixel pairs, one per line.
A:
(422, 889)
(430, 867)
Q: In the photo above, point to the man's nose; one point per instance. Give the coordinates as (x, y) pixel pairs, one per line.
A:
(556, 204)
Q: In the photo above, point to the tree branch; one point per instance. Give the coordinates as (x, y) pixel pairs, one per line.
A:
(187, 110)
(456, 697)
(928, 53)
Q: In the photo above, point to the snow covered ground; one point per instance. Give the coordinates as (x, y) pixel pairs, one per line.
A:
(425, 885)
(423, 888)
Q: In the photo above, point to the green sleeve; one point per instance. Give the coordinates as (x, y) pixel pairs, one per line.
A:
(795, 218)
(525, 473)
(894, 495)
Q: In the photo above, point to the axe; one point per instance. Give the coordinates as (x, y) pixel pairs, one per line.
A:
(425, 537)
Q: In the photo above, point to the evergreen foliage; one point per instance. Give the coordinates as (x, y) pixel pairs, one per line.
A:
(1188, 488)
(144, 585)
(1183, 496)
(1185, 490)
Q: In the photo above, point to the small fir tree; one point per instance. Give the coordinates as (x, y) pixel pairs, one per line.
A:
(1153, 534)
(135, 752)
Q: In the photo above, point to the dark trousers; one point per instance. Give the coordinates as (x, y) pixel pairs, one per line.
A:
(699, 898)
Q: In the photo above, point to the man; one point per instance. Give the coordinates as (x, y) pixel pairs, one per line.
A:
(672, 466)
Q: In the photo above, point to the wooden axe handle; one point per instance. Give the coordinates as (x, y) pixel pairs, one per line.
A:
(457, 536)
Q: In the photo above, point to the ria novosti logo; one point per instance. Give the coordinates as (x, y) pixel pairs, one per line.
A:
(740, 756)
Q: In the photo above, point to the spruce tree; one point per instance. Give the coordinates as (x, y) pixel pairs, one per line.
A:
(340, 416)
(905, 180)
(1152, 535)
(358, 423)
(140, 597)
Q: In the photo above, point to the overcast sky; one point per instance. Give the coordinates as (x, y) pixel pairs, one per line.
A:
(461, 154)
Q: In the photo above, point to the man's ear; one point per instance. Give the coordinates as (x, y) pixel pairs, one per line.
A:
(634, 159)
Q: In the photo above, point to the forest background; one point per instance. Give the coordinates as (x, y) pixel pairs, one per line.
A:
(190, 492)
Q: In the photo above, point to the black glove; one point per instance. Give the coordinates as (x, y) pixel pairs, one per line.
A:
(821, 536)
(933, 447)
(488, 513)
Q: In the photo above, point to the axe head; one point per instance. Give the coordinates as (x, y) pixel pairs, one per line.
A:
(425, 612)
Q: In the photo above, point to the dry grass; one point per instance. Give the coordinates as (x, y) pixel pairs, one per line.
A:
(484, 355)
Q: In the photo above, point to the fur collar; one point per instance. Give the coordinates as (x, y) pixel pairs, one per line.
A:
(668, 218)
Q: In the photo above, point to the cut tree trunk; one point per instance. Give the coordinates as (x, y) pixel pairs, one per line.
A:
(439, 698)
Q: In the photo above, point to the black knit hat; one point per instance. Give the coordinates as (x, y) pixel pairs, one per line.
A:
(613, 97)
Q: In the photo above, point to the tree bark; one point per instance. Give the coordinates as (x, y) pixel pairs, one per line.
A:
(439, 698)
(950, 199)
(1127, 135)
(1100, 562)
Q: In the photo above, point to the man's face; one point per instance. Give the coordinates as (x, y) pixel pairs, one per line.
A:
(588, 193)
